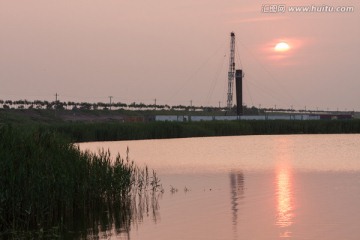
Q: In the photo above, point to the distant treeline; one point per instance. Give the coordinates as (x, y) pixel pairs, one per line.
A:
(71, 105)
(83, 132)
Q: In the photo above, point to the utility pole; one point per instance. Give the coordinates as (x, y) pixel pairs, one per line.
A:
(155, 103)
(219, 104)
(231, 73)
(259, 109)
(110, 97)
(56, 100)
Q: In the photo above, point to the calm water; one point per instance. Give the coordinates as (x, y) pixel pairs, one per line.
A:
(246, 187)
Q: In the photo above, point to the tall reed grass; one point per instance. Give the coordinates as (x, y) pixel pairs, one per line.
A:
(47, 185)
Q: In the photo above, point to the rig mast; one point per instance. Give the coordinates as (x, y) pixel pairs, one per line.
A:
(231, 73)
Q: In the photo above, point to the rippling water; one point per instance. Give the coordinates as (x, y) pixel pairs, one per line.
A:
(247, 187)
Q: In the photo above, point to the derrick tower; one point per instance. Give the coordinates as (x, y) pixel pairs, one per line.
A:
(231, 73)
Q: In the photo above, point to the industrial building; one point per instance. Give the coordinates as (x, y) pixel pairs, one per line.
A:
(187, 118)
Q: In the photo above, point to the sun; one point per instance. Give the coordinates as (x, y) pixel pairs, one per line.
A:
(282, 47)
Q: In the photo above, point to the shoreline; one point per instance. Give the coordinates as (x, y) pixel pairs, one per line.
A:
(105, 126)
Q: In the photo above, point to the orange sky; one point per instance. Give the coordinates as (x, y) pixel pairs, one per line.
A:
(87, 50)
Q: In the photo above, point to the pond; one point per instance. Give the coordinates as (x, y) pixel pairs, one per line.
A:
(246, 187)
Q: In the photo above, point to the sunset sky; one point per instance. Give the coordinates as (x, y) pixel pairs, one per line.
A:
(177, 52)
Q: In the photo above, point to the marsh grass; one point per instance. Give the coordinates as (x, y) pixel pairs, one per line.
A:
(50, 188)
(83, 132)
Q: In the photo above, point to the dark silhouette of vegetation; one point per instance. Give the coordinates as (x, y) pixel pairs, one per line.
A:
(152, 108)
(49, 188)
(83, 132)
(39, 104)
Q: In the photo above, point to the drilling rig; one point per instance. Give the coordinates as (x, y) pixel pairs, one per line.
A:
(231, 73)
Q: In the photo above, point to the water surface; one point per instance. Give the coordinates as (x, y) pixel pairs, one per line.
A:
(247, 187)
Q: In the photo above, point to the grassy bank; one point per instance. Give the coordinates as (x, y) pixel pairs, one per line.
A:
(47, 116)
(82, 132)
(100, 125)
(49, 187)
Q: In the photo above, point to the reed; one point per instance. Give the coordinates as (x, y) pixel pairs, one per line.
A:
(48, 185)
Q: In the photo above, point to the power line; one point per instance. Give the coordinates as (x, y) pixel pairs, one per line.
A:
(268, 72)
(215, 80)
(194, 73)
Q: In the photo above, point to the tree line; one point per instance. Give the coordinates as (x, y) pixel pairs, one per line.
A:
(71, 105)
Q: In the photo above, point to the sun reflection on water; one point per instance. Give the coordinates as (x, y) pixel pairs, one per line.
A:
(285, 203)
(237, 181)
